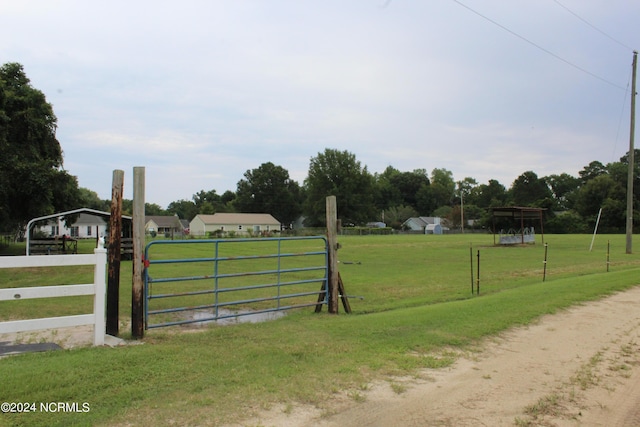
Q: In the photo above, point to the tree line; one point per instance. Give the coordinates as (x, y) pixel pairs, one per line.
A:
(34, 183)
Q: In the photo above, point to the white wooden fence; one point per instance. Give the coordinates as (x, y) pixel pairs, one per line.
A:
(97, 289)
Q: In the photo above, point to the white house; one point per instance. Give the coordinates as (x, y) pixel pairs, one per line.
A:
(243, 224)
(86, 226)
(425, 224)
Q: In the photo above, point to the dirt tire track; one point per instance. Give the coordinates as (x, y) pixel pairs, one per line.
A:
(494, 387)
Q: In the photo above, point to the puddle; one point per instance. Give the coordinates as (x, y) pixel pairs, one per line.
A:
(234, 317)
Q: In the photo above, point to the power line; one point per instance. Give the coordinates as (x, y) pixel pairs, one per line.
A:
(622, 111)
(547, 51)
(591, 25)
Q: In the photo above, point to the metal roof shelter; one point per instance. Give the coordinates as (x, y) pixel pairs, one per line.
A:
(517, 213)
(87, 211)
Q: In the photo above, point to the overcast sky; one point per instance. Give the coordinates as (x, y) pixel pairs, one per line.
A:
(199, 92)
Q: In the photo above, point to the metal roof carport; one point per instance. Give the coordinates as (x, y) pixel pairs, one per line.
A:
(87, 211)
(517, 213)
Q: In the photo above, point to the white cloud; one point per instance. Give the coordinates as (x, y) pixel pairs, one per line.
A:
(200, 91)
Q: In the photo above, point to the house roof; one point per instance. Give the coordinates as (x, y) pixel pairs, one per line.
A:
(518, 212)
(420, 221)
(239, 218)
(164, 221)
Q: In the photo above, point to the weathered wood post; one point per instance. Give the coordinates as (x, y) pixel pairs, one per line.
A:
(115, 233)
(137, 290)
(332, 242)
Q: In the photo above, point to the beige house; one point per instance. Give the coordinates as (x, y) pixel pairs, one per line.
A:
(244, 224)
(167, 225)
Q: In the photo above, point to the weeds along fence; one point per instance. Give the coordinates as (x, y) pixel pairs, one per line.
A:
(97, 289)
(194, 281)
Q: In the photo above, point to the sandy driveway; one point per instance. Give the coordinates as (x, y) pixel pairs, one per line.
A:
(577, 368)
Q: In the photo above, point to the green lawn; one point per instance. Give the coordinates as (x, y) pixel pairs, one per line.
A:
(414, 301)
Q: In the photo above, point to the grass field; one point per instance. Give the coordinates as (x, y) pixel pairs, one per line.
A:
(414, 302)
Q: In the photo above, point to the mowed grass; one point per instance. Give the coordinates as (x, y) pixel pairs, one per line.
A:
(416, 301)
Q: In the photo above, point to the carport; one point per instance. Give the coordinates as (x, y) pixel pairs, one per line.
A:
(126, 222)
(518, 215)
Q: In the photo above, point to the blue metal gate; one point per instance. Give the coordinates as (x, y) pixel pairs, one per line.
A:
(189, 281)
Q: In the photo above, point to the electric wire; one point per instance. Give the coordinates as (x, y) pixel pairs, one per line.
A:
(547, 51)
(591, 25)
(622, 111)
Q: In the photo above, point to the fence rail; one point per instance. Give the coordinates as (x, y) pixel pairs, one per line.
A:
(97, 289)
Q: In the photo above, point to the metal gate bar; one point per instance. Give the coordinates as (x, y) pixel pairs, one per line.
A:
(281, 283)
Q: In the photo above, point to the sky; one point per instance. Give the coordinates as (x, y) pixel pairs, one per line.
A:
(198, 92)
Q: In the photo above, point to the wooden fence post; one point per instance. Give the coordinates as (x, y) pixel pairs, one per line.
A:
(332, 242)
(137, 289)
(115, 234)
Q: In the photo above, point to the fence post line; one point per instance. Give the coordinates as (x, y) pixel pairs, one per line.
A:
(471, 264)
(115, 232)
(137, 288)
(332, 242)
(99, 280)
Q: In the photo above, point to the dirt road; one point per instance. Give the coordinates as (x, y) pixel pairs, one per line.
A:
(580, 367)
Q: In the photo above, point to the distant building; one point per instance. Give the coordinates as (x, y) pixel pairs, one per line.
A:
(376, 224)
(424, 224)
(243, 224)
(168, 225)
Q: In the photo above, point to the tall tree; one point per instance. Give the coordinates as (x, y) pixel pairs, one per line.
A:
(492, 194)
(529, 190)
(32, 180)
(387, 195)
(592, 170)
(442, 187)
(185, 209)
(90, 199)
(338, 173)
(564, 188)
(269, 189)
(209, 202)
(409, 185)
(603, 192)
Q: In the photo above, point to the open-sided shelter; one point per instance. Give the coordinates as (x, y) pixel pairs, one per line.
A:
(85, 221)
(519, 216)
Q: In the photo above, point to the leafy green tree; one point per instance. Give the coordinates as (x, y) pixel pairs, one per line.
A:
(154, 209)
(395, 188)
(443, 187)
(569, 222)
(492, 194)
(209, 202)
(409, 185)
(228, 197)
(32, 180)
(387, 195)
(185, 209)
(529, 190)
(592, 170)
(564, 188)
(619, 171)
(603, 192)
(269, 189)
(338, 173)
(395, 216)
(90, 199)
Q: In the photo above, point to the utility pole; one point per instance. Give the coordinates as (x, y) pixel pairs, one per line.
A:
(631, 174)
